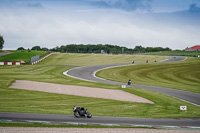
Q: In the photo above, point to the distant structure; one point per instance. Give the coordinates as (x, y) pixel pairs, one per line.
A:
(103, 52)
(194, 48)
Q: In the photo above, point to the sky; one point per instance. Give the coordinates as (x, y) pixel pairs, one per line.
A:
(149, 23)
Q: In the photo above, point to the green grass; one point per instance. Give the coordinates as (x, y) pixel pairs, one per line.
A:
(183, 75)
(15, 100)
(19, 55)
(175, 53)
(1, 51)
(97, 59)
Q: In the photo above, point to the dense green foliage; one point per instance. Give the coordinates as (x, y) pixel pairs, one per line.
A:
(19, 55)
(15, 100)
(21, 48)
(1, 42)
(36, 48)
(99, 48)
(183, 75)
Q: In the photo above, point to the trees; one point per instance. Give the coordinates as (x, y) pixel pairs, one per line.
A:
(139, 49)
(36, 48)
(20, 48)
(1, 42)
(156, 49)
(108, 48)
(44, 49)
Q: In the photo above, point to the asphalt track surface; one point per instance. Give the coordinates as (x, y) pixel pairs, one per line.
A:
(87, 73)
(5, 53)
(61, 119)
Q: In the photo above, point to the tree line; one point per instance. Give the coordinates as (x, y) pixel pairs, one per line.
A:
(99, 48)
(92, 48)
(107, 48)
(38, 48)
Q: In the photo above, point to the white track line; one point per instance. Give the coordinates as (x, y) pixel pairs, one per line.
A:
(66, 74)
(94, 73)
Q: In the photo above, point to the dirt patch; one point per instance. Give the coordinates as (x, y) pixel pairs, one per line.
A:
(79, 91)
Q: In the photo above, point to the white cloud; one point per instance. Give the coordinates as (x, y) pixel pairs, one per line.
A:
(50, 27)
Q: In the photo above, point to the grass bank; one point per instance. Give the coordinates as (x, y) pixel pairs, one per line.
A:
(97, 59)
(19, 55)
(183, 75)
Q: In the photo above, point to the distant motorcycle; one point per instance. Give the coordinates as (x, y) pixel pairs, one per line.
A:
(81, 112)
(129, 82)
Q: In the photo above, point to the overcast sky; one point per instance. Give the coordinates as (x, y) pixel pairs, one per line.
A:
(50, 23)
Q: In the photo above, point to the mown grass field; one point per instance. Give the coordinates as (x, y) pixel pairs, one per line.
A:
(19, 55)
(14, 100)
(184, 75)
(97, 59)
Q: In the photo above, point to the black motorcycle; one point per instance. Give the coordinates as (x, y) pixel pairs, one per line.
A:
(129, 82)
(81, 112)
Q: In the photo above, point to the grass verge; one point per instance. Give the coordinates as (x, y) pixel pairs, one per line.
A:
(183, 75)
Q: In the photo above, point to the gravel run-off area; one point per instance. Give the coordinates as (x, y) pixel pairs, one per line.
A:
(79, 91)
(88, 130)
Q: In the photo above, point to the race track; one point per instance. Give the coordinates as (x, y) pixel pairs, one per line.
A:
(120, 121)
(88, 73)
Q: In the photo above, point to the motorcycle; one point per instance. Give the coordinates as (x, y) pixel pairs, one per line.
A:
(81, 112)
(129, 82)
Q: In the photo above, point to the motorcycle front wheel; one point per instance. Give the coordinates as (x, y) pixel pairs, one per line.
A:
(76, 114)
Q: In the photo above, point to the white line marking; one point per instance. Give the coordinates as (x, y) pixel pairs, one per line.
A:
(94, 73)
(183, 100)
(66, 74)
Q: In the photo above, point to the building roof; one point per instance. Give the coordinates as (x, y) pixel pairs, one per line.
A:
(196, 47)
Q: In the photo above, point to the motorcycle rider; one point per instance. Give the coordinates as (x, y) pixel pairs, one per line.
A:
(74, 108)
(129, 82)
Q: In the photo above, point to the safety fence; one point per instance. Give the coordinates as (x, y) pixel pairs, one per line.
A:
(35, 62)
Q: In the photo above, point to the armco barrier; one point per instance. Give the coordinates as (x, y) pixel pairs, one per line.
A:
(10, 63)
(42, 59)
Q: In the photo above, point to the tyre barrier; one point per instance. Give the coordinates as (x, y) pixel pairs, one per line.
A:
(10, 63)
(35, 62)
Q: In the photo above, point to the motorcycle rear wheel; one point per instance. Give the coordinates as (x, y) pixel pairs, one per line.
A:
(89, 115)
